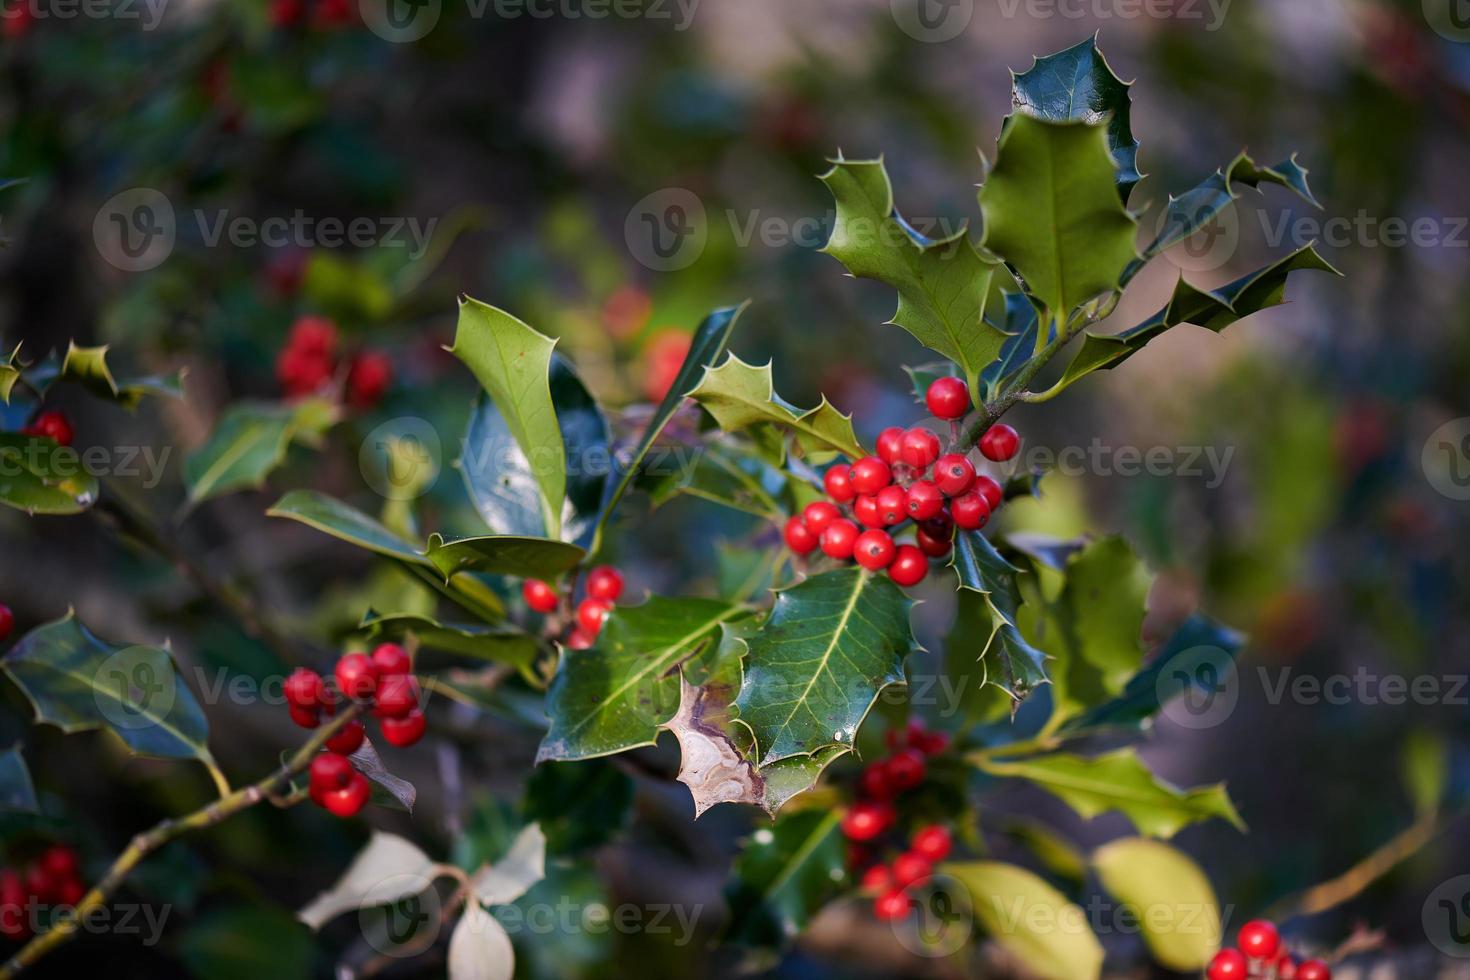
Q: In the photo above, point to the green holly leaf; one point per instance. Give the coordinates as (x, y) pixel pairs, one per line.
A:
(1171, 897)
(741, 395)
(88, 367)
(618, 693)
(345, 522)
(10, 372)
(1030, 920)
(1213, 309)
(78, 682)
(498, 642)
(512, 362)
(942, 283)
(1022, 323)
(725, 473)
(784, 875)
(40, 477)
(815, 668)
(501, 482)
(705, 348)
(1119, 781)
(1009, 661)
(17, 794)
(502, 554)
(250, 442)
(1077, 85)
(1052, 212)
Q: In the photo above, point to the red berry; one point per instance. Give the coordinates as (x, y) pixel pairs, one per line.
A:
(41, 884)
(932, 842)
(404, 731)
(287, 13)
(357, 677)
(1259, 939)
(838, 483)
(923, 502)
(391, 659)
(578, 640)
(867, 820)
(70, 892)
(874, 782)
(877, 879)
(368, 378)
(873, 550)
(1228, 964)
(870, 474)
(891, 905)
(1286, 966)
(906, 769)
(60, 861)
(909, 565)
(929, 743)
(948, 398)
(304, 689)
(305, 717)
(953, 474)
(348, 739)
(396, 697)
(920, 448)
(302, 372)
(540, 596)
(314, 335)
(910, 867)
(798, 537)
(7, 622)
(990, 490)
(1313, 970)
(892, 503)
(818, 514)
(865, 509)
(351, 798)
(890, 441)
(591, 614)
(329, 771)
(999, 443)
(933, 547)
(53, 425)
(839, 539)
(13, 902)
(970, 511)
(606, 583)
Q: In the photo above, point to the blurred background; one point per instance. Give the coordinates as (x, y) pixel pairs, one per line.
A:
(610, 173)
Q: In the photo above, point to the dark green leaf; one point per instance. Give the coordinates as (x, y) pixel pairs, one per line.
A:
(784, 876)
(499, 642)
(250, 441)
(1022, 323)
(1010, 663)
(40, 477)
(580, 805)
(88, 367)
(247, 942)
(728, 474)
(502, 554)
(346, 522)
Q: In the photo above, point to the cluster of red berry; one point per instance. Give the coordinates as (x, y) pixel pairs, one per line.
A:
(1259, 953)
(54, 878)
(324, 13)
(910, 479)
(309, 360)
(385, 680)
(875, 814)
(604, 586)
(51, 424)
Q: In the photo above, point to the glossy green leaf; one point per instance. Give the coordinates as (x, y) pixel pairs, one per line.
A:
(1170, 897)
(1030, 920)
(88, 367)
(502, 554)
(1077, 85)
(1120, 781)
(1052, 212)
(1009, 661)
(512, 362)
(618, 693)
(340, 520)
(40, 477)
(784, 875)
(741, 395)
(732, 476)
(815, 667)
(77, 682)
(250, 442)
(942, 283)
(498, 642)
(17, 793)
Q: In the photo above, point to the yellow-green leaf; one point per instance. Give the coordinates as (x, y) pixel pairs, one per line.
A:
(1170, 896)
(741, 395)
(1031, 920)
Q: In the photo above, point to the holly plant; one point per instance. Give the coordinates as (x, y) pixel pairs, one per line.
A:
(791, 685)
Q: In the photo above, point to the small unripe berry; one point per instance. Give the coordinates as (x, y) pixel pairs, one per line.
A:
(934, 546)
(920, 448)
(357, 678)
(870, 474)
(330, 770)
(970, 511)
(818, 514)
(404, 731)
(1313, 970)
(909, 566)
(540, 596)
(892, 505)
(798, 537)
(396, 697)
(578, 640)
(948, 398)
(989, 489)
(7, 622)
(906, 769)
(350, 799)
(876, 879)
(874, 550)
(1258, 939)
(890, 441)
(923, 502)
(865, 509)
(304, 689)
(839, 539)
(1228, 964)
(932, 842)
(909, 868)
(391, 659)
(347, 740)
(838, 483)
(591, 614)
(891, 905)
(305, 717)
(999, 443)
(867, 820)
(953, 474)
(605, 582)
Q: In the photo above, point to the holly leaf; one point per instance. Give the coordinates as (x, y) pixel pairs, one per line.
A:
(784, 875)
(502, 554)
(1171, 897)
(1010, 662)
(10, 373)
(88, 367)
(345, 522)
(39, 476)
(512, 362)
(1022, 324)
(501, 481)
(498, 642)
(1052, 212)
(17, 793)
(1120, 781)
(1024, 914)
(942, 283)
(726, 474)
(393, 788)
(741, 395)
(80, 682)
(250, 442)
(617, 694)
(831, 643)
(1077, 85)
